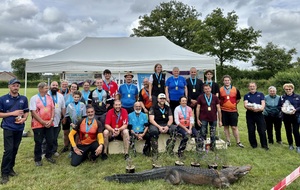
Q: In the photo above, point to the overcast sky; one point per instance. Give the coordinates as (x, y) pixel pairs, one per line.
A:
(36, 28)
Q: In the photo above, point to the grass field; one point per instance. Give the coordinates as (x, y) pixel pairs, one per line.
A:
(269, 167)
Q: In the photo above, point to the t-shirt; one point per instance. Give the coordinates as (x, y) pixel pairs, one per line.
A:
(161, 115)
(144, 97)
(176, 87)
(184, 115)
(138, 122)
(116, 120)
(76, 111)
(214, 87)
(111, 88)
(44, 111)
(88, 131)
(128, 95)
(98, 99)
(206, 113)
(59, 103)
(228, 98)
(10, 104)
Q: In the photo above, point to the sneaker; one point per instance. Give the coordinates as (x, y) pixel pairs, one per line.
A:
(4, 179)
(298, 149)
(51, 160)
(104, 156)
(126, 156)
(240, 145)
(291, 147)
(65, 149)
(56, 154)
(38, 163)
(228, 143)
(12, 173)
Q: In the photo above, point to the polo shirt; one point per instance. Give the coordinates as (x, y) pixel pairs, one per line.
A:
(10, 104)
(111, 88)
(138, 122)
(174, 94)
(257, 97)
(128, 94)
(116, 121)
(59, 103)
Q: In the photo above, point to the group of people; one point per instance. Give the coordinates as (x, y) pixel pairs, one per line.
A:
(90, 119)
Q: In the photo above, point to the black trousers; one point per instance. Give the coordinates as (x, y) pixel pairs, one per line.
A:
(12, 140)
(255, 121)
(91, 148)
(291, 128)
(39, 135)
(273, 122)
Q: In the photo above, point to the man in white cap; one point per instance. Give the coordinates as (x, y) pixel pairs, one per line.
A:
(161, 121)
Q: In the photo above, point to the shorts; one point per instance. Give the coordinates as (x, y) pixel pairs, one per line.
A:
(229, 118)
(66, 126)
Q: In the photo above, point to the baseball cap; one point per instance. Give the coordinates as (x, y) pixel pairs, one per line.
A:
(161, 95)
(13, 81)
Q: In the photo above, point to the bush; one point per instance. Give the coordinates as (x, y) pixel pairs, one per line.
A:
(289, 76)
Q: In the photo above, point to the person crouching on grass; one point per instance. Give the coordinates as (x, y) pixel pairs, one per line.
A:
(91, 142)
(75, 110)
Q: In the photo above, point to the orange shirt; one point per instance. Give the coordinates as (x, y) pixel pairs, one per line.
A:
(228, 102)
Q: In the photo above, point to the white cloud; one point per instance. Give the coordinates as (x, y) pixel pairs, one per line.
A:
(35, 28)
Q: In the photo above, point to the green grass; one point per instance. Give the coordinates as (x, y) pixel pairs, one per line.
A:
(269, 167)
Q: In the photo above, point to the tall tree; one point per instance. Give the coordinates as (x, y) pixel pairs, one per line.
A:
(18, 66)
(175, 20)
(221, 37)
(273, 58)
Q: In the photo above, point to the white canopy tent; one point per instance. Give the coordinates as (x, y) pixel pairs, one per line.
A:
(136, 54)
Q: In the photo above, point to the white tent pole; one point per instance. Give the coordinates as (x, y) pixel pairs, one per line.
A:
(25, 90)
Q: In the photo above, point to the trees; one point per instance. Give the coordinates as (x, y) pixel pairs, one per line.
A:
(273, 58)
(175, 20)
(220, 36)
(18, 66)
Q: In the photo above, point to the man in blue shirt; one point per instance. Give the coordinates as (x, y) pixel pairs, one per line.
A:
(138, 125)
(254, 102)
(128, 93)
(14, 111)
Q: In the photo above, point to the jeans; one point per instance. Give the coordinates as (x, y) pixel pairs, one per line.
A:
(12, 140)
(91, 148)
(212, 131)
(185, 138)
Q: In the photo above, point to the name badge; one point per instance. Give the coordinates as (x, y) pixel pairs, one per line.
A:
(194, 90)
(209, 108)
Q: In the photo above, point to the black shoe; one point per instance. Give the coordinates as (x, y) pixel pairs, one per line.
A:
(104, 156)
(38, 163)
(12, 173)
(126, 156)
(65, 149)
(51, 160)
(4, 179)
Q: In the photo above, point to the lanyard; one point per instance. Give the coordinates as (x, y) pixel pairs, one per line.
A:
(77, 108)
(193, 83)
(43, 100)
(162, 111)
(66, 92)
(87, 126)
(208, 101)
(118, 118)
(175, 81)
(107, 84)
(54, 98)
(227, 90)
(183, 112)
(146, 92)
(158, 77)
(138, 120)
(210, 83)
(85, 95)
(128, 90)
(100, 95)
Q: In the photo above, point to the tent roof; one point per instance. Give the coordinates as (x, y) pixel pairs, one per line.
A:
(137, 54)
